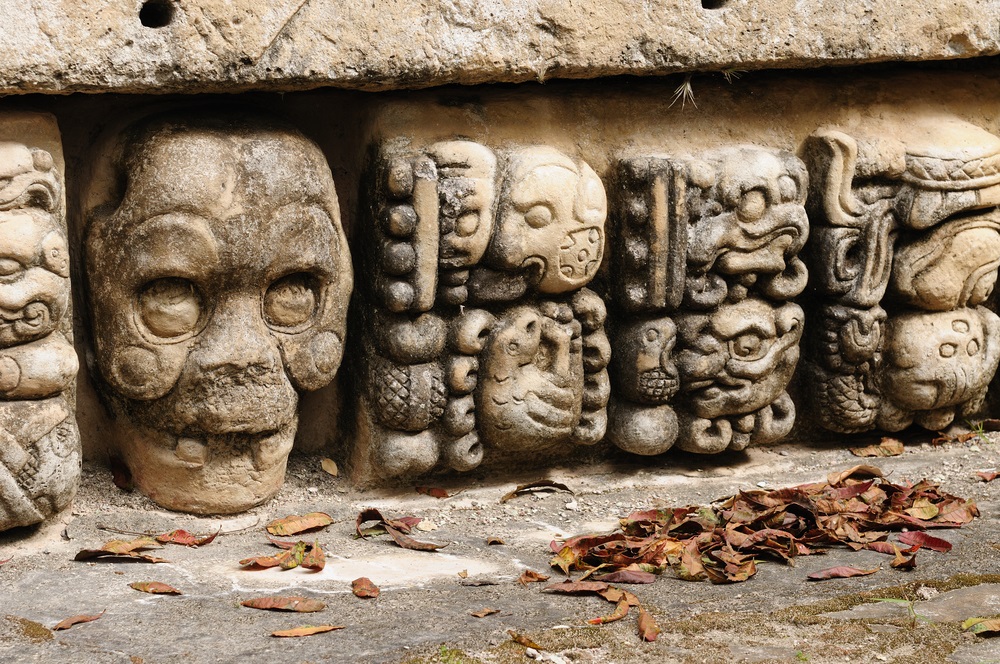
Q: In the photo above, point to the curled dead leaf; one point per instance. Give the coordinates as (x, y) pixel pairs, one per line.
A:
(531, 576)
(626, 576)
(648, 629)
(889, 447)
(295, 524)
(76, 620)
(285, 603)
(523, 640)
(433, 492)
(493, 541)
(532, 487)
(132, 550)
(860, 470)
(305, 630)
(982, 626)
(314, 559)
(482, 613)
(840, 572)
(988, 476)
(329, 466)
(154, 588)
(184, 538)
(364, 588)
(621, 610)
(925, 541)
(574, 587)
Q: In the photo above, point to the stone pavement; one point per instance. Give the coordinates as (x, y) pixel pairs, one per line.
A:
(424, 611)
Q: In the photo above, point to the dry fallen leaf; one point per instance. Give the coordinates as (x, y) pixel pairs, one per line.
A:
(626, 576)
(648, 629)
(121, 549)
(433, 492)
(531, 576)
(491, 541)
(573, 587)
(464, 574)
(4, 562)
(330, 466)
(295, 524)
(185, 538)
(285, 603)
(76, 620)
(925, 541)
(364, 588)
(840, 572)
(531, 487)
(482, 613)
(305, 630)
(982, 625)
(988, 476)
(314, 559)
(904, 563)
(621, 610)
(523, 640)
(154, 588)
(889, 447)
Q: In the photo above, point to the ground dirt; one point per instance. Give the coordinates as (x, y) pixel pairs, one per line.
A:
(424, 611)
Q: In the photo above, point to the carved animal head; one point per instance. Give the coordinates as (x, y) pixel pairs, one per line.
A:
(218, 284)
(550, 222)
(739, 358)
(644, 369)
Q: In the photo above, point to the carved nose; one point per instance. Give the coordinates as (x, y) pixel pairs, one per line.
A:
(236, 339)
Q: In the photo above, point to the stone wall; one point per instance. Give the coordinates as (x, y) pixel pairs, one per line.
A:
(509, 274)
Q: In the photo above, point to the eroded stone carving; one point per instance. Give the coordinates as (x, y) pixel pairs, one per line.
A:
(706, 340)
(219, 278)
(479, 331)
(905, 253)
(39, 440)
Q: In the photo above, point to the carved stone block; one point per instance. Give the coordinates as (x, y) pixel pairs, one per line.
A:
(219, 278)
(39, 440)
(477, 330)
(705, 337)
(906, 249)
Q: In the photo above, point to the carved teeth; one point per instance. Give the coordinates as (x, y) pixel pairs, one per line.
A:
(192, 451)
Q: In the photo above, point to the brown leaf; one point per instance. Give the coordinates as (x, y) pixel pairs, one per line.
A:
(121, 475)
(364, 587)
(859, 470)
(266, 561)
(281, 544)
(285, 603)
(329, 466)
(988, 476)
(531, 487)
(889, 447)
(574, 587)
(4, 562)
(840, 572)
(433, 492)
(123, 549)
(923, 509)
(531, 576)
(76, 620)
(621, 610)
(926, 541)
(982, 626)
(295, 524)
(185, 538)
(523, 640)
(154, 588)
(904, 563)
(648, 629)
(482, 613)
(315, 558)
(626, 576)
(491, 541)
(408, 542)
(306, 630)
(293, 557)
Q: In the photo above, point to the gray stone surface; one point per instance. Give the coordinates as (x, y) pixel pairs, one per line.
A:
(222, 45)
(423, 614)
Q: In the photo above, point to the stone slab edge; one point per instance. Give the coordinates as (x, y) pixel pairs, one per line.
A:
(60, 46)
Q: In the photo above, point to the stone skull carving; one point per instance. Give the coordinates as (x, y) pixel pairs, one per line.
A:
(219, 277)
(39, 443)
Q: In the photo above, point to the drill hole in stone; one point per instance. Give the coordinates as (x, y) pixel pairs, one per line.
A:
(713, 4)
(156, 13)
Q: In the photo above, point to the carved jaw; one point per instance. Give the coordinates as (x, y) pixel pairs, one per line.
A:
(218, 473)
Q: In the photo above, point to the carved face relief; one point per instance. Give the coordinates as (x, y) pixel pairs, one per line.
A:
(739, 358)
(754, 220)
(645, 371)
(466, 176)
(940, 360)
(551, 220)
(532, 378)
(219, 288)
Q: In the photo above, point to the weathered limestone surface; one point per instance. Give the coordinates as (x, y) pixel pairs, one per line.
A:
(39, 439)
(218, 279)
(205, 45)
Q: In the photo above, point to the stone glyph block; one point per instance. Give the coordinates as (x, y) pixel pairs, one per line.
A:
(906, 252)
(219, 278)
(707, 260)
(39, 439)
(478, 333)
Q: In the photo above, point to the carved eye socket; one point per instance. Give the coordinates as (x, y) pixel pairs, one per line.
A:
(947, 350)
(538, 216)
(749, 347)
(467, 224)
(291, 301)
(752, 206)
(973, 347)
(652, 334)
(170, 307)
(9, 266)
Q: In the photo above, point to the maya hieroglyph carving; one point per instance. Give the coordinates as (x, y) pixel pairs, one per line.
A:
(39, 441)
(478, 329)
(905, 253)
(219, 278)
(706, 262)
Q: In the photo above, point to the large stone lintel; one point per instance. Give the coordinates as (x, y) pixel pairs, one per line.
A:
(217, 45)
